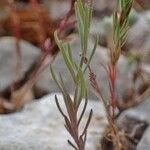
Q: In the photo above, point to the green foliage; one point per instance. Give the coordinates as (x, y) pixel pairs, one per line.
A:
(83, 15)
(77, 71)
(121, 22)
(120, 27)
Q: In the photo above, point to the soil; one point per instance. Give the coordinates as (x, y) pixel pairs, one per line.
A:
(133, 132)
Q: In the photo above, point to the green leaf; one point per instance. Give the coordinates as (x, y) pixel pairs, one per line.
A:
(83, 15)
(55, 78)
(68, 101)
(68, 61)
(82, 84)
(69, 52)
(92, 53)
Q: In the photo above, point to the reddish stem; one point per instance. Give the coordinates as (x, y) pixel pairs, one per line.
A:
(112, 86)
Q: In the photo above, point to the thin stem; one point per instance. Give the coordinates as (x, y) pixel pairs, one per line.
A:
(112, 87)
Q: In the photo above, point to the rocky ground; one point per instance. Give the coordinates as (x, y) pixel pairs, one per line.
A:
(38, 125)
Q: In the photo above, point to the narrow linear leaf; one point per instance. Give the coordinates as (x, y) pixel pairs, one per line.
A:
(71, 144)
(68, 101)
(87, 124)
(92, 53)
(59, 108)
(55, 78)
(65, 56)
(83, 111)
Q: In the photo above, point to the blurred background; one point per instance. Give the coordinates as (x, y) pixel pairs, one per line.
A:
(27, 47)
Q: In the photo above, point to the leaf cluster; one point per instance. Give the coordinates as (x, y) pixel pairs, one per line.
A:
(83, 15)
(73, 117)
(120, 26)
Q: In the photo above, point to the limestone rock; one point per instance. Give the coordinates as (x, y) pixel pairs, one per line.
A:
(139, 37)
(39, 126)
(135, 122)
(139, 112)
(8, 59)
(144, 143)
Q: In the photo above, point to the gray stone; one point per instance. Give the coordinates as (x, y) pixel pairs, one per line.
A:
(8, 59)
(96, 27)
(144, 144)
(139, 112)
(57, 8)
(39, 126)
(104, 5)
(139, 37)
(135, 122)
(146, 48)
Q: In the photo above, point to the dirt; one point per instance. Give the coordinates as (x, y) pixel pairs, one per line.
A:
(133, 131)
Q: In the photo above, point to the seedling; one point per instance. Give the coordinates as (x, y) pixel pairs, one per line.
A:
(77, 71)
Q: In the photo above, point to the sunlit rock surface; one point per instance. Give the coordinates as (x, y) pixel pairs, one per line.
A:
(39, 126)
(8, 59)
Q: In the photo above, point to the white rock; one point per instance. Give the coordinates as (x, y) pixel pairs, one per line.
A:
(57, 9)
(104, 5)
(135, 121)
(39, 126)
(8, 59)
(144, 143)
(139, 37)
(139, 112)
